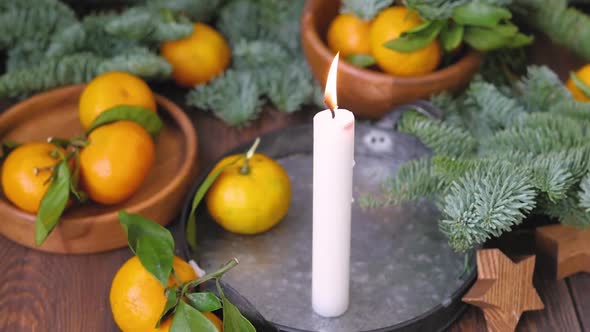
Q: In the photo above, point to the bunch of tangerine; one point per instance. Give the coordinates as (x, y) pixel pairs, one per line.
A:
(107, 165)
(351, 35)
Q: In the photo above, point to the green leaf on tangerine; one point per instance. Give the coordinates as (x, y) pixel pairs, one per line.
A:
(233, 320)
(53, 203)
(413, 41)
(361, 60)
(204, 302)
(480, 14)
(451, 36)
(152, 243)
(189, 319)
(171, 302)
(140, 115)
(191, 227)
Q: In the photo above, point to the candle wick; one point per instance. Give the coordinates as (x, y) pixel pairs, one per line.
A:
(333, 113)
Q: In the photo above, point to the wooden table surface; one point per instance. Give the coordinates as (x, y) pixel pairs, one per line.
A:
(47, 292)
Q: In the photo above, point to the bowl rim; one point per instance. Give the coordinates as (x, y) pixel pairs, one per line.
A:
(180, 118)
(310, 33)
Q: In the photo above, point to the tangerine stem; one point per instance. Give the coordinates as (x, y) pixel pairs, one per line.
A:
(245, 170)
(226, 267)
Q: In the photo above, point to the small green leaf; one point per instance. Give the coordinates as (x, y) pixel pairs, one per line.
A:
(580, 84)
(188, 319)
(140, 115)
(421, 27)
(204, 302)
(171, 302)
(233, 320)
(361, 60)
(53, 203)
(410, 42)
(480, 14)
(191, 228)
(501, 36)
(152, 243)
(451, 36)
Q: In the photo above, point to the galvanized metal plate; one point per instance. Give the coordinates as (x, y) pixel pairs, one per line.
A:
(404, 276)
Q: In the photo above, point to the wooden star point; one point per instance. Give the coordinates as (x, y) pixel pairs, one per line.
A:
(503, 290)
(567, 246)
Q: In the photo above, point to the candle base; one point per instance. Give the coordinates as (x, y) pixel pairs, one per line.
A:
(330, 311)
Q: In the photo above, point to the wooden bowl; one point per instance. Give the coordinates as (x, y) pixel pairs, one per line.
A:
(91, 228)
(369, 93)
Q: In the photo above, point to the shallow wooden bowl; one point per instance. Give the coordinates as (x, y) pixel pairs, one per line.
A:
(91, 228)
(370, 93)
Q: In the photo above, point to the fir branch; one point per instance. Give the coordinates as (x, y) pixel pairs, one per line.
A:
(196, 10)
(68, 40)
(288, 86)
(440, 137)
(234, 30)
(530, 140)
(140, 62)
(49, 74)
(541, 89)
(413, 180)
(584, 193)
(24, 55)
(485, 203)
(562, 24)
(98, 41)
(278, 23)
(244, 104)
(258, 54)
(569, 210)
(365, 9)
(150, 26)
(495, 110)
(31, 20)
(552, 177)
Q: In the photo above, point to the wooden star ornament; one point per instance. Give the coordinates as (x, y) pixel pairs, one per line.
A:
(503, 290)
(567, 246)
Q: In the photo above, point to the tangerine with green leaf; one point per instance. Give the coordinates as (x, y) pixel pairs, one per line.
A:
(116, 161)
(389, 25)
(26, 174)
(250, 196)
(583, 75)
(137, 298)
(112, 89)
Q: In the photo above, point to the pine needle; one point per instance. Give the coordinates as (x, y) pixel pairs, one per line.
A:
(365, 9)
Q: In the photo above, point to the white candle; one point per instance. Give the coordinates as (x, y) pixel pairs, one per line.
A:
(333, 152)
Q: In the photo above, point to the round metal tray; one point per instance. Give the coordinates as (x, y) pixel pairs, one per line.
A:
(404, 276)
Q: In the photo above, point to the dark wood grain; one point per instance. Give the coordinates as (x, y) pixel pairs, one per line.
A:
(579, 285)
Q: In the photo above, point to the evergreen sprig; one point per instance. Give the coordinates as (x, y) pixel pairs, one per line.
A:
(266, 56)
(485, 203)
(242, 107)
(364, 9)
(442, 138)
(533, 156)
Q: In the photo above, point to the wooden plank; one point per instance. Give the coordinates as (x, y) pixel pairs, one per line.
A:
(14, 304)
(559, 313)
(580, 288)
(472, 321)
(46, 292)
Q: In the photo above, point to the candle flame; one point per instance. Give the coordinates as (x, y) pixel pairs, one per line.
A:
(330, 98)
